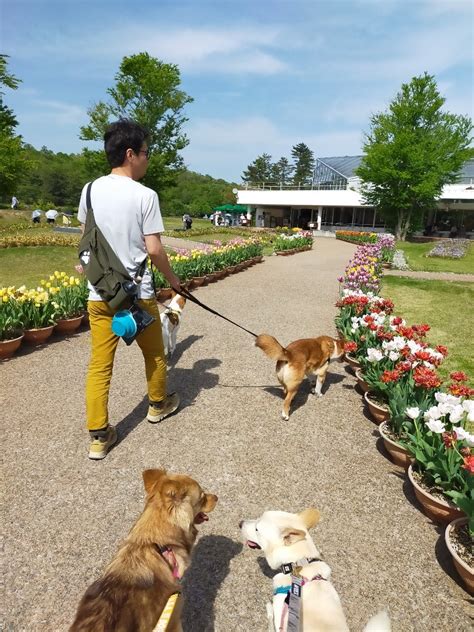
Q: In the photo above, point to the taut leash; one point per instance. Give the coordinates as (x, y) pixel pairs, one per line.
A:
(184, 292)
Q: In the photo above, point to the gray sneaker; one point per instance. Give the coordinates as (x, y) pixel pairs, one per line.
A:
(157, 411)
(101, 442)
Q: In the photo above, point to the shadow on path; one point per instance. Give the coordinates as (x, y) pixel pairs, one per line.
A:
(209, 567)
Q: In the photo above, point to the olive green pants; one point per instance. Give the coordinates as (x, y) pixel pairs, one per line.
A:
(104, 344)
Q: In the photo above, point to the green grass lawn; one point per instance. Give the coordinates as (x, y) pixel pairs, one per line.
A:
(447, 307)
(417, 259)
(27, 266)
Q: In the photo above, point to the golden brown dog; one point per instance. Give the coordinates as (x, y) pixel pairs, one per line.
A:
(133, 590)
(307, 357)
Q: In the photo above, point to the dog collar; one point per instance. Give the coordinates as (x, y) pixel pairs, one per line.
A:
(284, 590)
(288, 568)
(168, 555)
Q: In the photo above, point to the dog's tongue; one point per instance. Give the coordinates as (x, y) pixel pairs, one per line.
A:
(200, 518)
(253, 545)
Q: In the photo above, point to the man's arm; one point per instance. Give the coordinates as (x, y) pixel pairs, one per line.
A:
(159, 258)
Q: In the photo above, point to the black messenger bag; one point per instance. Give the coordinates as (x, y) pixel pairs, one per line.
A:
(102, 267)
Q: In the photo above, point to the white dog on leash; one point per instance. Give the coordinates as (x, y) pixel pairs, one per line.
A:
(290, 550)
(170, 321)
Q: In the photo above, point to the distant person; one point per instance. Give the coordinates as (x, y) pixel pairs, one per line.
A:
(36, 216)
(14, 203)
(51, 216)
(453, 233)
(187, 221)
(243, 220)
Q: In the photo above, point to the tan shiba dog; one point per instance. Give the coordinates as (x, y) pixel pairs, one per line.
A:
(170, 321)
(307, 357)
(289, 549)
(133, 590)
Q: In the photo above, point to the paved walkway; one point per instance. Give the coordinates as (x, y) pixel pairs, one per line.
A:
(176, 242)
(65, 515)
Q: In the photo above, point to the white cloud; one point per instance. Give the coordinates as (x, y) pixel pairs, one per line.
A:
(224, 147)
(227, 48)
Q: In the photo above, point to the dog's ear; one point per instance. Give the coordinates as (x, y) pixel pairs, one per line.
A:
(291, 536)
(310, 517)
(151, 478)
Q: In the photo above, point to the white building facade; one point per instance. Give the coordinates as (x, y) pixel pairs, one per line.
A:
(333, 201)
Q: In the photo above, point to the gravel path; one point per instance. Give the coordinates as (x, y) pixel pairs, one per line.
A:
(176, 242)
(65, 515)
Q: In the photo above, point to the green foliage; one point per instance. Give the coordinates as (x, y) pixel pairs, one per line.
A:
(13, 161)
(303, 164)
(282, 171)
(260, 170)
(147, 91)
(411, 152)
(195, 194)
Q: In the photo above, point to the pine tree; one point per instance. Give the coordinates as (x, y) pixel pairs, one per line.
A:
(259, 171)
(303, 164)
(281, 171)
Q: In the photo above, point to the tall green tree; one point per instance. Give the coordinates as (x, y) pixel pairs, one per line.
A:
(259, 171)
(13, 160)
(281, 171)
(146, 90)
(411, 151)
(303, 159)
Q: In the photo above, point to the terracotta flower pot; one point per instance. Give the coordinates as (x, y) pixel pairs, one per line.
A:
(465, 571)
(85, 319)
(361, 382)
(352, 361)
(35, 337)
(68, 325)
(212, 277)
(399, 455)
(8, 347)
(164, 293)
(435, 508)
(259, 258)
(378, 413)
(198, 281)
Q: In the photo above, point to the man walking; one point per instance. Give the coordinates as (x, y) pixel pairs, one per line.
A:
(128, 214)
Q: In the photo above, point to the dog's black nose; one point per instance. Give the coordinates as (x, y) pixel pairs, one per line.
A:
(240, 524)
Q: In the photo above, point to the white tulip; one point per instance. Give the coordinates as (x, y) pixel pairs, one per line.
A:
(433, 413)
(374, 355)
(413, 412)
(456, 414)
(435, 425)
(393, 356)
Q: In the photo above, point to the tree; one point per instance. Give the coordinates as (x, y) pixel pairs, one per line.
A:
(260, 170)
(281, 171)
(303, 164)
(13, 162)
(411, 152)
(146, 90)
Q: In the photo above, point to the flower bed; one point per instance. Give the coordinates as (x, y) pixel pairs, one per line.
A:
(450, 249)
(435, 424)
(356, 237)
(286, 242)
(188, 264)
(32, 238)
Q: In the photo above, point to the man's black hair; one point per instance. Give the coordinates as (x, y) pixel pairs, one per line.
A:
(120, 136)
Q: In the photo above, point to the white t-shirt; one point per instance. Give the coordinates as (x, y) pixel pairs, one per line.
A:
(125, 211)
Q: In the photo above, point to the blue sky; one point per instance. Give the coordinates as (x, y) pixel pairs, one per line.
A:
(264, 75)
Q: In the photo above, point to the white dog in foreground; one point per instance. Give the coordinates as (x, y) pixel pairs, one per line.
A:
(289, 549)
(170, 321)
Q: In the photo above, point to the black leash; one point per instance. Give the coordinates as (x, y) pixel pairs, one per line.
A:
(184, 292)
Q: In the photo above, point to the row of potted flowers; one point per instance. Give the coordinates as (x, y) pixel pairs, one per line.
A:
(58, 303)
(425, 427)
(288, 244)
(199, 267)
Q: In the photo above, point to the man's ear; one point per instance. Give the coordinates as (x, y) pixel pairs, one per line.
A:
(291, 536)
(310, 517)
(151, 478)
